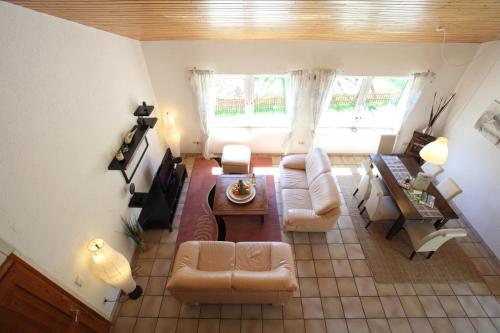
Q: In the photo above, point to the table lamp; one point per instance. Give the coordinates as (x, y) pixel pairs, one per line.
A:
(435, 152)
(113, 268)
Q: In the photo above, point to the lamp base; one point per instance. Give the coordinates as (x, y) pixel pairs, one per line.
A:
(136, 293)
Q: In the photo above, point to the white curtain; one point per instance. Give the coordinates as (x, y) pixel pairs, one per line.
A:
(203, 84)
(298, 91)
(419, 83)
(321, 96)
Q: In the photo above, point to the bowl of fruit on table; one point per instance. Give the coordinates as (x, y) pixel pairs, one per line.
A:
(241, 191)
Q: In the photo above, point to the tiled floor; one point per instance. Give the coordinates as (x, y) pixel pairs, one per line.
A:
(337, 290)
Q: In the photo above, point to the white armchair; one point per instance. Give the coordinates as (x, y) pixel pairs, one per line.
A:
(449, 189)
(425, 238)
(364, 185)
(380, 207)
(432, 169)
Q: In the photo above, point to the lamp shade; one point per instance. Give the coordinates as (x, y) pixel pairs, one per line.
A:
(111, 266)
(435, 152)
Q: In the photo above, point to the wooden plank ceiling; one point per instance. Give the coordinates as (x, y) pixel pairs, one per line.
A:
(366, 20)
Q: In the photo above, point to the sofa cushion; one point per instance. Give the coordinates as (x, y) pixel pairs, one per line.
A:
(188, 279)
(293, 178)
(216, 256)
(297, 161)
(236, 155)
(253, 256)
(317, 163)
(296, 198)
(324, 195)
(279, 279)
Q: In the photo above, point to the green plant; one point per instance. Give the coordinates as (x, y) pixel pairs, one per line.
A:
(133, 230)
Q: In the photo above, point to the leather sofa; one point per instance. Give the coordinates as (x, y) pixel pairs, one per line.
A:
(311, 202)
(226, 272)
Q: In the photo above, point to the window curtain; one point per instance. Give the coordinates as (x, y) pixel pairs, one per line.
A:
(321, 96)
(203, 84)
(419, 83)
(297, 92)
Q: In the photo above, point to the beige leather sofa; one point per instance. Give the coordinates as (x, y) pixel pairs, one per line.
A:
(226, 272)
(311, 202)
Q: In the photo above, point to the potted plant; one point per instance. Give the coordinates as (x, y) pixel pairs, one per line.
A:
(443, 104)
(133, 230)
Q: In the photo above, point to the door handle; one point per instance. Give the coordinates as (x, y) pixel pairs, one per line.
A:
(75, 312)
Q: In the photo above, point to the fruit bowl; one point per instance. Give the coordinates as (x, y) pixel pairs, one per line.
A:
(233, 192)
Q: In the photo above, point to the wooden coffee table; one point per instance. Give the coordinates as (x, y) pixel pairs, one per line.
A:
(224, 207)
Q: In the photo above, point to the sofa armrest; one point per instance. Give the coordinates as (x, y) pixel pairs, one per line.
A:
(297, 161)
(188, 279)
(187, 256)
(280, 279)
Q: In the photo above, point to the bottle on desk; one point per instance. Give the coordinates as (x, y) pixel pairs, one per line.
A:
(254, 179)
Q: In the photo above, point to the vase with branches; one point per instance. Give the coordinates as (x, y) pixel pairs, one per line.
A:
(133, 230)
(436, 111)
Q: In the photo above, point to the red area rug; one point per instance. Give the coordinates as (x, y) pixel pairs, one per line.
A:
(197, 222)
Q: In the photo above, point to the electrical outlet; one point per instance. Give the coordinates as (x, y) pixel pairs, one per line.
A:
(79, 281)
(196, 142)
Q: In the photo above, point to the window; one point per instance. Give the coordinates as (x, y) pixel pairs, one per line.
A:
(250, 101)
(365, 101)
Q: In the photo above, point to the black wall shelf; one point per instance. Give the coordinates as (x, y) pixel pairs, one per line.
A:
(144, 111)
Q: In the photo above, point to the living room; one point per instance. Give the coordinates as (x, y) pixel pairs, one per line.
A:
(72, 78)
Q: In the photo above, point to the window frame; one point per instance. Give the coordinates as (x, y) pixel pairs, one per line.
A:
(249, 119)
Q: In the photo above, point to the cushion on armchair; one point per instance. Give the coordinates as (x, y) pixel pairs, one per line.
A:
(324, 195)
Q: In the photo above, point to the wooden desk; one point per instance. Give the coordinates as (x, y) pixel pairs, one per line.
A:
(224, 207)
(408, 210)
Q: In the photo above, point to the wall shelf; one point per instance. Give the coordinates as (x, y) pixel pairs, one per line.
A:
(144, 110)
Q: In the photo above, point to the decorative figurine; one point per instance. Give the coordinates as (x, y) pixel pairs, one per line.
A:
(130, 135)
(119, 156)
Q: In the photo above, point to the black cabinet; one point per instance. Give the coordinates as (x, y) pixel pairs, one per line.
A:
(158, 206)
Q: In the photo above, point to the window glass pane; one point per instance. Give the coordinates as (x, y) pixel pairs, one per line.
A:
(230, 92)
(345, 93)
(384, 94)
(269, 95)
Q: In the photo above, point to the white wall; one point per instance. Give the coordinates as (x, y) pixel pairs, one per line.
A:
(473, 162)
(168, 62)
(67, 95)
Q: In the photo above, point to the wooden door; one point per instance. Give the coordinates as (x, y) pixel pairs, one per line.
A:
(29, 302)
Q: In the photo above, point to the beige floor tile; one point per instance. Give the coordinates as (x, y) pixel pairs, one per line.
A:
(315, 326)
(251, 311)
(432, 306)
(404, 289)
(378, 325)
(324, 268)
(336, 326)
(309, 287)
(490, 305)
(392, 307)
(483, 325)
(165, 251)
(320, 251)
(347, 287)
(305, 268)
(328, 287)
(166, 325)
(230, 325)
(471, 306)
(149, 252)
(190, 311)
(349, 236)
(420, 325)
(170, 307)
(442, 289)
(187, 325)
(131, 307)
(441, 325)
(272, 311)
(423, 289)
(312, 308)
(124, 325)
(462, 325)
(479, 288)
(293, 309)
(372, 307)
(334, 236)
(483, 266)
(345, 222)
(342, 268)
(143, 267)
(208, 326)
(366, 286)
(357, 325)
(337, 251)
(354, 251)
(161, 267)
(412, 306)
(352, 307)
(461, 289)
(317, 237)
(496, 322)
(230, 311)
(332, 307)
(169, 237)
(493, 283)
(360, 268)
(303, 252)
(210, 311)
(272, 326)
(385, 289)
(452, 306)
(301, 238)
(251, 326)
(399, 325)
(156, 285)
(294, 326)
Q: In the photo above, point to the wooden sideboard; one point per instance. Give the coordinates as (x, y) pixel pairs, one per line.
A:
(418, 141)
